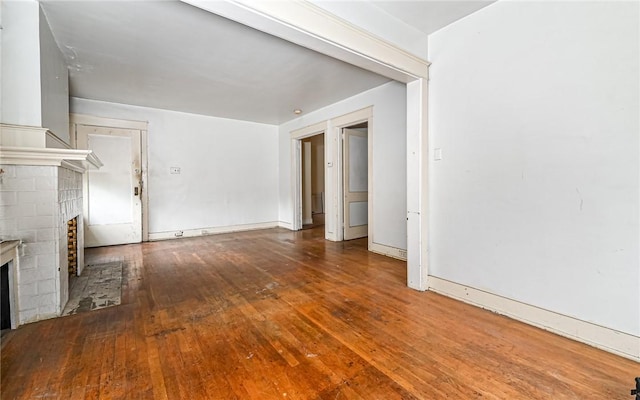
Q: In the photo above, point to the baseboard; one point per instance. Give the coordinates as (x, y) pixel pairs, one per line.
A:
(286, 225)
(210, 231)
(620, 343)
(388, 251)
(307, 221)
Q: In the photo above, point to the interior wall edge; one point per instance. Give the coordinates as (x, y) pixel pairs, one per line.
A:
(607, 339)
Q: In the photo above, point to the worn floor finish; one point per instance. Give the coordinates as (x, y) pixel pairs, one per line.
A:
(279, 315)
(99, 286)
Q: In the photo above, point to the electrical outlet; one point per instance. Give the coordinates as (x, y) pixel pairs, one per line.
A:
(174, 170)
(179, 234)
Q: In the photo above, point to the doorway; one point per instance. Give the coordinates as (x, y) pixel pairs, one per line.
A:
(355, 181)
(115, 195)
(333, 168)
(313, 182)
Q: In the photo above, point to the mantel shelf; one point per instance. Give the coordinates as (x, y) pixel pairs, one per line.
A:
(77, 160)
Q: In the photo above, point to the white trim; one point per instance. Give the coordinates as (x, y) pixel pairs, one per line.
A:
(77, 160)
(607, 339)
(310, 26)
(285, 225)
(144, 161)
(417, 186)
(83, 119)
(30, 136)
(296, 168)
(211, 231)
(389, 251)
(337, 124)
(22, 136)
(142, 126)
(9, 254)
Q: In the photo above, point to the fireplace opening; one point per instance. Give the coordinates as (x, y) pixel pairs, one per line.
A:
(72, 245)
(5, 302)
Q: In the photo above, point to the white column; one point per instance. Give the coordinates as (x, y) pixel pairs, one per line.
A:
(417, 185)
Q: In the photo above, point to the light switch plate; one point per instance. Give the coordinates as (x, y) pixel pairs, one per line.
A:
(437, 154)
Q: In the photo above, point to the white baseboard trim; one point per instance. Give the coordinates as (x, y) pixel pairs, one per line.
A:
(153, 236)
(286, 225)
(388, 251)
(307, 221)
(620, 343)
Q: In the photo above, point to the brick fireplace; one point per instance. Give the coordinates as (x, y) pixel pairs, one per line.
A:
(37, 203)
(40, 192)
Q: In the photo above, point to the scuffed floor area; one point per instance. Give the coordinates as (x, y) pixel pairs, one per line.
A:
(99, 286)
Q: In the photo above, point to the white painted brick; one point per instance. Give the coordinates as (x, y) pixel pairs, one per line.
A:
(45, 209)
(28, 315)
(25, 223)
(46, 271)
(27, 263)
(45, 234)
(28, 289)
(46, 183)
(8, 198)
(47, 311)
(28, 275)
(40, 248)
(28, 302)
(8, 227)
(9, 171)
(35, 171)
(47, 286)
(27, 236)
(40, 196)
(46, 299)
(18, 184)
(18, 210)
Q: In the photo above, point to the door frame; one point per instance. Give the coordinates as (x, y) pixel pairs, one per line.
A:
(347, 195)
(142, 126)
(332, 129)
(338, 124)
(296, 168)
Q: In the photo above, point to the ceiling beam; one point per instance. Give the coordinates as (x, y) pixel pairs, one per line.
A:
(310, 26)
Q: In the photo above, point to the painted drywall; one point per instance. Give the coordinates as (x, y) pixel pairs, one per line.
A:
(535, 106)
(389, 164)
(20, 63)
(54, 82)
(228, 168)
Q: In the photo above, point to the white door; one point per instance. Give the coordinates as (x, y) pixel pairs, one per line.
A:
(356, 183)
(112, 194)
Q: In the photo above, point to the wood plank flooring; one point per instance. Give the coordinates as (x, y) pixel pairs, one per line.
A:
(275, 314)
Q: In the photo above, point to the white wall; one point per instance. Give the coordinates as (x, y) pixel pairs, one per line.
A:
(54, 81)
(535, 106)
(20, 63)
(229, 168)
(389, 164)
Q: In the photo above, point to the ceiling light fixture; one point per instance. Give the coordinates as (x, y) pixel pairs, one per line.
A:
(297, 111)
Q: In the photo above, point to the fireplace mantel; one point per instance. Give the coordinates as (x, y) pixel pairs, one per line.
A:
(33, 145)
(76, 160)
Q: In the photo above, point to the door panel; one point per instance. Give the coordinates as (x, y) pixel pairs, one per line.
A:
(356, 183)
(113, 207)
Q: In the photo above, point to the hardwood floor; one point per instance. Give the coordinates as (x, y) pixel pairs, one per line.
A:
(275, 314)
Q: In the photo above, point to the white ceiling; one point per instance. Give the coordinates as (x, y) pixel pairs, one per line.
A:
(430, 15)
(170, 55)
